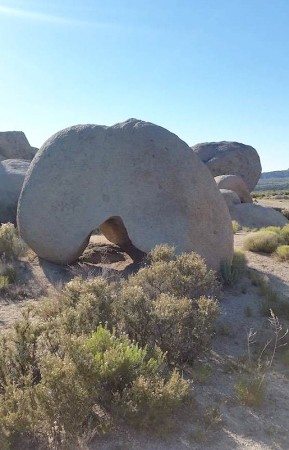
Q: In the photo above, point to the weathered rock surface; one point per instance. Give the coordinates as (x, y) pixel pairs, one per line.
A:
(256, 216)
(231, 158)
(236, 184)
(14, 145)
(230, 197)
(135, 180)
(12, 174)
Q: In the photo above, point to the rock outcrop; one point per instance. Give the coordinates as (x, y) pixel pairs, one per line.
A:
(231, 158)
(12, 174)
(256, 216)
(230, 197)
(137, 182)
(236, 184)
(14, 145)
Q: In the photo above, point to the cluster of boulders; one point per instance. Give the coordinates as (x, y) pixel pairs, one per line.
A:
(236, 168)
(15, 156)
(137, 182)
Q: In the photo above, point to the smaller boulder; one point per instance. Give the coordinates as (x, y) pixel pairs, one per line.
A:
(15, 145)
(256, 216)
(12, 174)
(230, 197)
(231, 158)
(236, 184)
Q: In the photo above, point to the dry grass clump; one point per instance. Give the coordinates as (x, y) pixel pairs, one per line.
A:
(282, 252)
(268, 240)
(261, 241)
(236, 227)
(106, 351)
(11, 245)
(251, 389)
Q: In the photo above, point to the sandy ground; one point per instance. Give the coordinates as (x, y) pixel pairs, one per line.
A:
(241, 427)
(273, 202)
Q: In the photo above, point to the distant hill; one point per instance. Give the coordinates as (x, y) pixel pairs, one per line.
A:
(273, 181)
(276, 174)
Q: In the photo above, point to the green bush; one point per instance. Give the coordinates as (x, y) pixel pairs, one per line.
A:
(231, 273)
(285, 234)
(11, 246)
(185, 275)
(151, 400)
(235, 225)
(261, 241)
(282, 252)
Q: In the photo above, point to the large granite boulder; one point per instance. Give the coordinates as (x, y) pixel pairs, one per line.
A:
(231, 158)
(256, 216)
(230, 197)
(14, 145)
(236, 184)
(135, 181)
(12, 174)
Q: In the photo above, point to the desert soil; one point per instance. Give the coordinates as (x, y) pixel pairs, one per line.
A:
(240, 427)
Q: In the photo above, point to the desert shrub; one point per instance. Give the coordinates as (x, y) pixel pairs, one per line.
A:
(235, 225)
(231, 273)
(51, 391)
(11, 245)
(151, 400)
(285, 234)
(119, 361)
(179, 326)
(185, 275)
(261, 241)
(86, 303)
(7, 273)
(101, 350)
(282, 252)
(250, 390)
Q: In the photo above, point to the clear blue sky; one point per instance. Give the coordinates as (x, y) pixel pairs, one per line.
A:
(208, 70)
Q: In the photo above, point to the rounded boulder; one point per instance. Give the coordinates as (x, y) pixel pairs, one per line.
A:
(136, 181)
(12, 174)
(15, 145)
(230, 197)
(231, 158)
(257, 216)
(236, 184)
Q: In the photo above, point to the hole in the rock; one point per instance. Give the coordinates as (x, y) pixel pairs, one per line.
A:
(110, 243)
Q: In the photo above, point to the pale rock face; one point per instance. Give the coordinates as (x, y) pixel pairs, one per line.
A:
(12, 174)
(136, 181)
(231, 158)
(230, 197)
(14, 145)
(236, 184)
(256, 216)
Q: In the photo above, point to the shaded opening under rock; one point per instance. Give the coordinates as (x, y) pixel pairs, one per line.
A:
(110, 243)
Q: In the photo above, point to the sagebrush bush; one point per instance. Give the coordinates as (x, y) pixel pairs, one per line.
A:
(282, 252)
(235, 225)
(101, 349)
(11, 245)
(150, 401)
(285, 234)
(185, 275)
(261, 241)
(231, 273)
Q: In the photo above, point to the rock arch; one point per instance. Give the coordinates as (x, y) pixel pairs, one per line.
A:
(85, 175)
